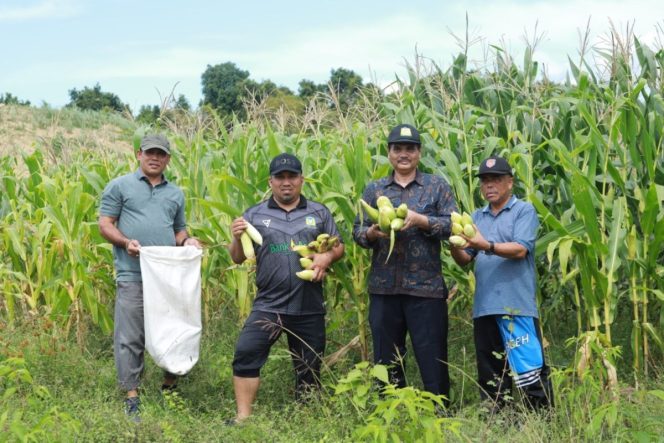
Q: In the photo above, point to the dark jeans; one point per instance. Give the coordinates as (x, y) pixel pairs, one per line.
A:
(306, 342)
(494, 372)
(425, 320)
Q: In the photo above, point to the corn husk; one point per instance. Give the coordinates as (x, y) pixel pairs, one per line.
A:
(457, 228)
(307, 274)
(402, 210)
(383, 201)
(469, 231)
(247, 247)
(254, 234)
(457, 241)
(372, 212)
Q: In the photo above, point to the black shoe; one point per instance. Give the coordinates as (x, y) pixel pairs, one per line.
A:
(133, 408)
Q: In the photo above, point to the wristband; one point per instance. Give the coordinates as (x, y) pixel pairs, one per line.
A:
(491, 249)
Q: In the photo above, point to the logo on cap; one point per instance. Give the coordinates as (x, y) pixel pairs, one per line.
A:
(490, 163)
(405, 132)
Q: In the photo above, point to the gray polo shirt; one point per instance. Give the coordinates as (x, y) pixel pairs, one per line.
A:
(150, 214)
(279, 289)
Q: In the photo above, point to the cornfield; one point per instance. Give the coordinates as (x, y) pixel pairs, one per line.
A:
(587, 153)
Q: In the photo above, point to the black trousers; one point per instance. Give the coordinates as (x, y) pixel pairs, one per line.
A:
(493, 370)
(425, 320)
(306, 343)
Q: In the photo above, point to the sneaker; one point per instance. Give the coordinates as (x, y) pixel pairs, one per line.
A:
(132, 408)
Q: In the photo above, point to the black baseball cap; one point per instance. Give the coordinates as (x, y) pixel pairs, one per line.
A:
(285, 162)
(495, 165)
(404, 134)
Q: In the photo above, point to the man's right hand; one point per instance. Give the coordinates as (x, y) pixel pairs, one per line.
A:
(133, 248)
(238, 226)
(374, 233)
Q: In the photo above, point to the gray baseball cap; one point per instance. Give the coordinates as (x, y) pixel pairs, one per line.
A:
(157, 141)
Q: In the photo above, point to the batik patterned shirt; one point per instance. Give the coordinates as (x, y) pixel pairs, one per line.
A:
(415, 266)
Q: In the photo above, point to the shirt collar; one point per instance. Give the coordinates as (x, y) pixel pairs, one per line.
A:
(272, 204)
(507, 206)
(419, 178)
(140, 175)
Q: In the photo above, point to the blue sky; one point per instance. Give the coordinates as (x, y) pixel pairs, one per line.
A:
(140, 50)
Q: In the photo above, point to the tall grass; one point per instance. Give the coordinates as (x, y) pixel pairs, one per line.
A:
(587, 153)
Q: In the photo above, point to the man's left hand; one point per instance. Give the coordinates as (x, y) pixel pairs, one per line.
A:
(191, 241)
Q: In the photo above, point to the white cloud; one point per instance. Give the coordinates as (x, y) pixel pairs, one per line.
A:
(38, 10)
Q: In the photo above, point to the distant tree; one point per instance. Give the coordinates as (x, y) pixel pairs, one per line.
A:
(224, 87)
(346, 85)
(308, 89)
(182, 103)
(9, 99)
(94, 99)
(148, 114)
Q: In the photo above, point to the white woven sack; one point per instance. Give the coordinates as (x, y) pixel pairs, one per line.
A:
(172, 305)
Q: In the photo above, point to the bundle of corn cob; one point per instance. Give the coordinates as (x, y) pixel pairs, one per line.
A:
(461, 224)
(250, 234)
(389, 219)
(323, 243)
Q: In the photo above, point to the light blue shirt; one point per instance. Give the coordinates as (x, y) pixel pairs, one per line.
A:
(503, 285)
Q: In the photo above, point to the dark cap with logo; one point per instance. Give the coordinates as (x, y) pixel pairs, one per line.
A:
(285, 162)
(404, 134)
(155, 141)
(494, 165)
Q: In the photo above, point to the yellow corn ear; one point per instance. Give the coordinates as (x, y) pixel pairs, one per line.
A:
(322, 237)
(402, 210)
(332, 242)
(469, 231)
(372, 212)
(391, 213)
(247, 246)
(397, 224)
(314, 245)
(466, 219)
(457, 241)
(457, 228)
(384, 219)
(307, 274)
(456, 217)
(383, 201)
(303, 250)
(306, 262)
(254, 234)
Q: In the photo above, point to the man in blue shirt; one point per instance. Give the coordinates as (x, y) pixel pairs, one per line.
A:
(505, 318)
(407, 292)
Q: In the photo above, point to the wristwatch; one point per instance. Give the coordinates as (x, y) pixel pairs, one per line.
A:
(491, 249)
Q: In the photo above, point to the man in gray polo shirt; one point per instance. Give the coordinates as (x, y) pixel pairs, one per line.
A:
(283, 301)
(505, 314)
(139, 209)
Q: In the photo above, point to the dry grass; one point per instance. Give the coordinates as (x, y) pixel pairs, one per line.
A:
(24, 129)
